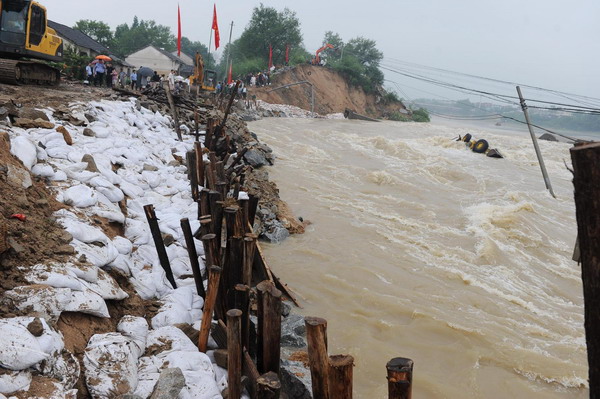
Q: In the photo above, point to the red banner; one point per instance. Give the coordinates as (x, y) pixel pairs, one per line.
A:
(270, 56)
(215, 27)
(178, 32)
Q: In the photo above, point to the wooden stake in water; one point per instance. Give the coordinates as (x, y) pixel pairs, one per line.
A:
(535, 144)
(399, 376)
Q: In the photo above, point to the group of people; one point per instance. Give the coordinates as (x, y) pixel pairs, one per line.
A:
(99, 73)
(257, 79)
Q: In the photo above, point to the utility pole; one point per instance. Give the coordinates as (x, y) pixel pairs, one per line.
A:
(209, 46)
(535, 143)
(228, 49)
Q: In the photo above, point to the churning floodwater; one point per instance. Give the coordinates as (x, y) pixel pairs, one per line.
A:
(420, 248)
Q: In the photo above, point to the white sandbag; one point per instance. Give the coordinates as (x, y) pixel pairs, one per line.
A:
(50, 341)
(57, 276)
(131, 190)
(137, 231)
(178, 307)
(24, 149)
(80, 196)
(152, 178)
(59, 152)
(42, 170)
(181, 266)
(144, 284)
(148, 374)
(13, 381)
(89, 302)
(122, 263)
(40, 300)
(82, 231)
(19, 348)
(63, 366)
(221, 377)
(110, 366)
(59, 176)
(83, 272)
(106, 287)
(123, 245)
(169, 339)
(199, 374)
(111, 216)
(98, 254)
(135, 328)
(41, 154)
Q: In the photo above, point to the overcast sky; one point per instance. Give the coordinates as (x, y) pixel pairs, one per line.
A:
(549, 43)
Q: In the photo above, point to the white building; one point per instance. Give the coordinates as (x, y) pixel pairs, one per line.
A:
(159, 60)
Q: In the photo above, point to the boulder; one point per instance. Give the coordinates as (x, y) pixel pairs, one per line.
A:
(548, 137)
(18, 177)
(255, 158)
(89, 132)
(170, 383)
(66, 134)
(293, 330)
(91, 163)
(31, 113)
(44, 124)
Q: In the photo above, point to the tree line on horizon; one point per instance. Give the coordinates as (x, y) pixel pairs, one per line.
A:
(357, 59)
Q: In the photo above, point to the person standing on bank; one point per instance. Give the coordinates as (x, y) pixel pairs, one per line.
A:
(133, 79)
(99, 72)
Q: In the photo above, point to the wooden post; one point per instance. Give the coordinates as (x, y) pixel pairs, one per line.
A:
(586, 175)
(191, 248)
(174, 112)
(316, 335)
(249, 254)
(269, 321)
(192, 173)
(251, 372)
(242, 302)
(209, 242)
(234, 353)
(399, 376)
(204, 202)
(199, 163)
(253, 206)
(159, 243)
(210, 128)
(211, 297)
(268, 386)
(340, 376)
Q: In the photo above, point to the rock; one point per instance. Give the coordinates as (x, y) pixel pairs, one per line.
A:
(187, 329)
(18, 248)
(91, 163)
(168, 239)
(293, 330)
(221, 357)
(36, 328)
(4, 141)
(39, 122)
(129, 396)
(66, 134)
(31, 113)
(3, 233)
(90, 117)
(548, 137)
(275, 232)
(65, 250)
(286, 308)
(295, 380)
(41, 202)
(89, 132)
(149, 167)
(170, 382)
(255, 158)
(25, 123)
(3, 113)
(18, 177)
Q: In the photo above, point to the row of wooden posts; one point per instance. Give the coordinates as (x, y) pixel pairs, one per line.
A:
(234, 265)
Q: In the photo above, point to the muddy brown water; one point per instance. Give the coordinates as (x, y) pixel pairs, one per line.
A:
(422, 249)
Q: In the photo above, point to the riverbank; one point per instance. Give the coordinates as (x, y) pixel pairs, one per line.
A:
(84, 294)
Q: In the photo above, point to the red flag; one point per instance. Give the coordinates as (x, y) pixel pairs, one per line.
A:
(270, 56)
(215, 27)
(178, 32)
(287, 54)
(229, 79)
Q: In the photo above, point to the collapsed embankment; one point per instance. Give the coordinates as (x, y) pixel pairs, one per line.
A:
(332, 93)
(86, 308)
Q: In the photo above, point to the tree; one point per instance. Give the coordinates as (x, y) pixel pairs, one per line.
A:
(268, 27)
(189, 47)
(338, 44)
(97, 30)
(360, 63)
(141, 34)
(365, 51)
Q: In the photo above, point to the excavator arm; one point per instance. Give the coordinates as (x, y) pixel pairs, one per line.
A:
(317, 59)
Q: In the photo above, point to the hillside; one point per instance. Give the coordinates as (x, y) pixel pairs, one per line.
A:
(333, 94)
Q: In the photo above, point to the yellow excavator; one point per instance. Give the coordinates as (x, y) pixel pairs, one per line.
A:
(203, 79)
(24, 34)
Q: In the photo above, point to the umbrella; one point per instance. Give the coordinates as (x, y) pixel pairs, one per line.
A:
(145, 71)
(103, 57)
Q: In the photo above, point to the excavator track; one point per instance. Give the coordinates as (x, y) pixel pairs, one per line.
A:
(19, 72)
